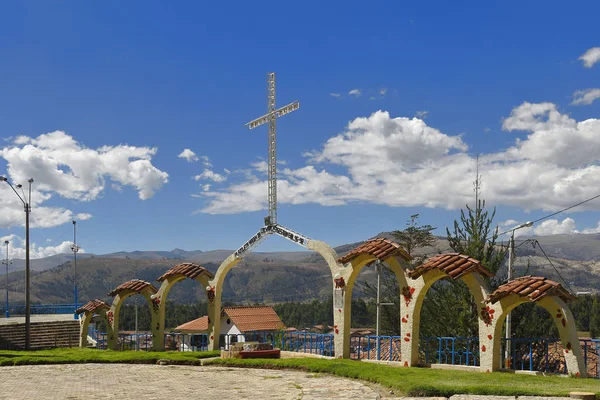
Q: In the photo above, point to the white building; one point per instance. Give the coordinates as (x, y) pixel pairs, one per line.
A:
(236, 324)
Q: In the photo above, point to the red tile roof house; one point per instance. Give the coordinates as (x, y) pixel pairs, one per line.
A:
(235, 323)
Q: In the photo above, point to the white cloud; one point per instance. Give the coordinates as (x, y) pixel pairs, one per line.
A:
(509, 222)
(210, 175)
(336, 95)
(372, 98)
(17, 248)
(383, 91)
(189, 155)
(354, 92)
(422, 114)
(206, 187)
(206, 162)
(63, 166)
(555, 227)
(404, 162)
(586, 97)
(590, 57)
(592, 230)
(83, 216)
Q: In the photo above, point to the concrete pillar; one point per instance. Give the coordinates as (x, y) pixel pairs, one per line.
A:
(83, 328)
(214, 291)
(565, 322)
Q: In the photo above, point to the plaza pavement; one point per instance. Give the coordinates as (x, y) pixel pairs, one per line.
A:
(128, 381)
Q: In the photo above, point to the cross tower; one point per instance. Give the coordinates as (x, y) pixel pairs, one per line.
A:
(271, 225)
(271, 117)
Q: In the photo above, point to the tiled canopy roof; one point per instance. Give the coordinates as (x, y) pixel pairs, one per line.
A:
(92, 306)
(189, 270)
(454, 265)
(135, 285)
(379, 248)
(200, 324)
(533, 287)
(247, 319)
(260, 318)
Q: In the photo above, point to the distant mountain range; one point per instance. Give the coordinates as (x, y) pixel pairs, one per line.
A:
(270, 277)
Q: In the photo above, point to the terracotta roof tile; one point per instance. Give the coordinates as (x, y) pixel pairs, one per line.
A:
(196, 325)
(92, 306)
(533, 287)
(189, 270)
(247, 319)
(454, 265)
(135, 285)
(379, 248)
(260, 318)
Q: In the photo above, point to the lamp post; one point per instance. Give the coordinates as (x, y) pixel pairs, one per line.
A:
(75, 249)
(26, 204)
(511, 261)
(6, 262)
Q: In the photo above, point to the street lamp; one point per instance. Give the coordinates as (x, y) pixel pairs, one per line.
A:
(75, 249)
(511, 260)
(6, 262)
(27, 206)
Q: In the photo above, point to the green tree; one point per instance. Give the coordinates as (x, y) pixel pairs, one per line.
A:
(412, 238)
(473, 236)
(415, 236)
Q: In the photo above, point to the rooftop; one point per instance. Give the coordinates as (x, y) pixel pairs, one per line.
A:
(379, 248)
(455, 265)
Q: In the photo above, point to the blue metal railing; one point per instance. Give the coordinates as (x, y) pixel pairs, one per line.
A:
(526, 354)
(449, 350)
(19, 310)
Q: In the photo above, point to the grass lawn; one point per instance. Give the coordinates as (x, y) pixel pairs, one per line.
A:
(429, 382)
(78, 356)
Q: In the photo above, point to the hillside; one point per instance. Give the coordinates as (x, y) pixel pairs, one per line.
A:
(273, 277)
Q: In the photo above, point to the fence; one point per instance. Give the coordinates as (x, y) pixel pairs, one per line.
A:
(526, 354)
(303, 342)
(382, 348)
(41, 309)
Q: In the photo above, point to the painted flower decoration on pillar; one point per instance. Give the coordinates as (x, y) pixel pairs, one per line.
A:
(155, 303)
(407, 292)
(210, 293)
(339, 282)
(487, 315)
(110, 317)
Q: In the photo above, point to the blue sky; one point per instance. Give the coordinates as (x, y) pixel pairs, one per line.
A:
(97, 100)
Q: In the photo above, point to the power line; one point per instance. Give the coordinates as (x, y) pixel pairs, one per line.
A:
(553, 214)
(550, 261)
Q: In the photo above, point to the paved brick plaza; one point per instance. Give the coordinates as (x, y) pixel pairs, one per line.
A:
(103, 381)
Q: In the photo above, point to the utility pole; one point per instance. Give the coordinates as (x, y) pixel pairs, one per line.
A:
(75, 249)
(511, 261)
(6, 262)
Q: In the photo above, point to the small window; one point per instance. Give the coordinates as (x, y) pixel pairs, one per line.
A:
(228, 321)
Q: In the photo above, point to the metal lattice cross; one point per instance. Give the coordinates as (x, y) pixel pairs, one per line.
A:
(270, 117)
